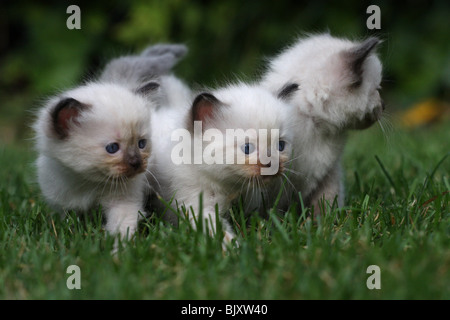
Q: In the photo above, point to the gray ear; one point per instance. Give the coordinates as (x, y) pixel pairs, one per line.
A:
(356, 56)
(287, 91)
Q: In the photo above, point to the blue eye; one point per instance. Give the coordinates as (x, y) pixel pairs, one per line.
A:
(248, 148)
(142, 143)
(112, 147)
(281, 145)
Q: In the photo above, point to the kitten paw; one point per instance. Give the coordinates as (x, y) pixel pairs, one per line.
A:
(229, 240)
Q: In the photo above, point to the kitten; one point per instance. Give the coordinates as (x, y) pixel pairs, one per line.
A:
(339, 84)
(94, 142)
(211, 168)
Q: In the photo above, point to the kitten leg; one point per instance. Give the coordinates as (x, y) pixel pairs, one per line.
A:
(124, 210)
(228, 233)
(330, 187)
(209, 216)
(122, 218)
(209, 222)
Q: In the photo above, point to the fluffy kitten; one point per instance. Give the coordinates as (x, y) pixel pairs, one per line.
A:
(94, 142)
(209, 169)
(339, 84)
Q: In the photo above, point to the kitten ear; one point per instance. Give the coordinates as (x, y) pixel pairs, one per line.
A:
(356, 56)
(148, 88)
(287, 91)
(203, 107)
(65, 113)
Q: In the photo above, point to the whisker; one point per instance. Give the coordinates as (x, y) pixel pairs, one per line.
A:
(290, 160)
(112, 185)
(105, 182)
(289, 181)
(154, 177)
(257, 189)
(248, 199)
(122, 184)
(147, 183)
(387, 127)
(85, 182)
(289, 170)
(242, 181)
(248, 187)
(263, 188)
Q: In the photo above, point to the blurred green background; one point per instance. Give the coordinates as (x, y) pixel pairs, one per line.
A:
(227, 39)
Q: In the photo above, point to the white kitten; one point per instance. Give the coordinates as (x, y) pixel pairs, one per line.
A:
(93, 144)
(212, 169)
(94, 141)
(339, 84)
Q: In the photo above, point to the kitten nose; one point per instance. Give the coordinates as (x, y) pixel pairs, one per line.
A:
(135, 162)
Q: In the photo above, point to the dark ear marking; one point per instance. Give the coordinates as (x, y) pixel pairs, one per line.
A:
(287, 91)
(148, 88)
(203, 108)
(356, 56)
(64, 113)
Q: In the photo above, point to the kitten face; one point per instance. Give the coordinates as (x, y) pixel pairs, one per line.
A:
(254, 125)
(125, 154)
(339, 79)
(99, 131)
(255, 167)
(359, 85)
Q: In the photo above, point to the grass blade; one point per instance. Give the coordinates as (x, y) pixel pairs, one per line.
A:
(386, 173)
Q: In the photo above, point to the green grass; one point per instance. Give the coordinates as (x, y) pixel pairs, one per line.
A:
(397, 217)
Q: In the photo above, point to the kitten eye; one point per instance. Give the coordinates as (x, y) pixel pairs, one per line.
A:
(248, 148)
(112, 147)
(281, 145)
(142, 143)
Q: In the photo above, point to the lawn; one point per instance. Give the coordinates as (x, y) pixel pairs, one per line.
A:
(397, 218)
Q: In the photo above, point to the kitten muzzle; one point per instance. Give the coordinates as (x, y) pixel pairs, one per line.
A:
(135, 162)
(134, 165)
(267, 172)
(370, 118)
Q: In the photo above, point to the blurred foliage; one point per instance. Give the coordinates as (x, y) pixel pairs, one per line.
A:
(39, 55)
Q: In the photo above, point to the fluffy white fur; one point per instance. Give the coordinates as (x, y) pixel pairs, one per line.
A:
(338, 90)
(339, 81)
(75, 169)
(77, 173)
(240, 106)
